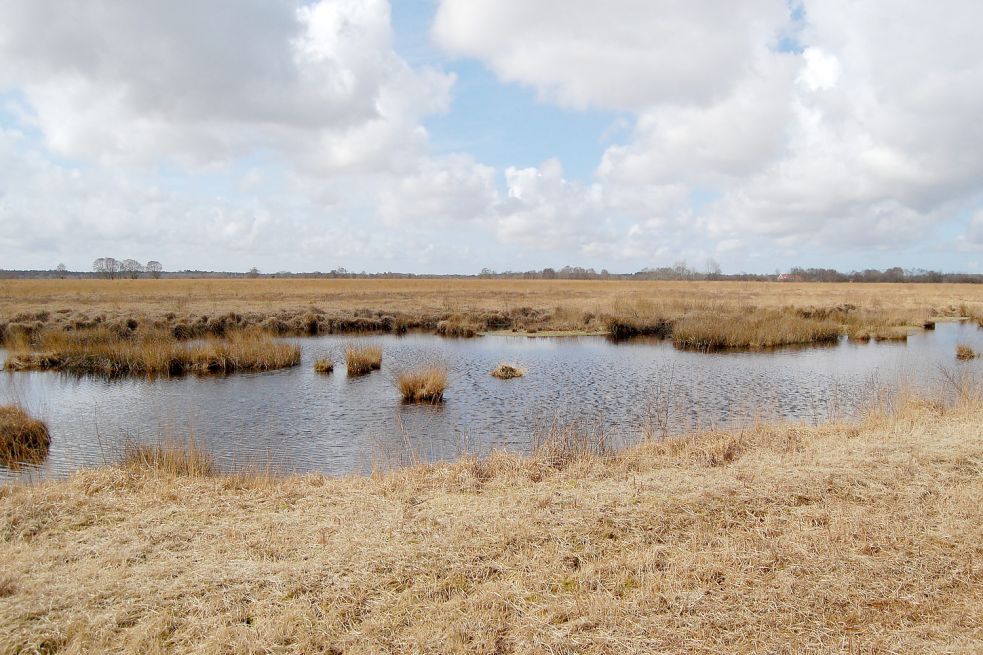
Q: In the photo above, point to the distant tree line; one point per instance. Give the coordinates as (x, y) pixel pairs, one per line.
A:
(109, 267)
(112, 268)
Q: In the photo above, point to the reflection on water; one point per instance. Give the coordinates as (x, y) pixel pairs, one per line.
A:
(298, 420)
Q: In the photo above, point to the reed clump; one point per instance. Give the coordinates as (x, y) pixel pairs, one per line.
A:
(107, 351)
(459, 326)
(171, 459)
(323, 365)
(762, 329)
(423, 385)
(22, 437)
(507, 372)
(361, 359)
(965, 352)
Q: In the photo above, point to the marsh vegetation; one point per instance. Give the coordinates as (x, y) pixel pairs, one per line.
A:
(23, 438)
(361, 359)
(323, 365)
(507, 371)
(194, 309)
(425, 384)
(115, 352)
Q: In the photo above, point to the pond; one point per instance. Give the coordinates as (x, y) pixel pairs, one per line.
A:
(296, 420)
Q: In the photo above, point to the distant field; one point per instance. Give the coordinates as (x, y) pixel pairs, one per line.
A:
(436, 296)
(465, 307)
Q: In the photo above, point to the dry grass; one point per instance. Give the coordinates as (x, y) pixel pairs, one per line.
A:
(323, 365)
(362, 359)
(507, 371)
(196, 308)
(964, 352)
(760, 329)
(148, 352)
(423, 385)
(859, 538)
(22, 438)
(171, 459)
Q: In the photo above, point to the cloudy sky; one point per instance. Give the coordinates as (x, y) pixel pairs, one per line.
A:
(451, 135)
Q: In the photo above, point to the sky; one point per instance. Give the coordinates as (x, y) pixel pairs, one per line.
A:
(447, 136)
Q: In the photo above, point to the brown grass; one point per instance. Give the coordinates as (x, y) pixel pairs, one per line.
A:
(964, 352)
(852, 538)
(761, 329)
(197, 308)
(22, 438)
(423, 385)
(362, 359)
(148, 352)
(323, 365)
(171, 459)
(507, 372)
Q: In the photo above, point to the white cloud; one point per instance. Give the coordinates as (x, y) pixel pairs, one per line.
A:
(207, 82)
(626, 54)
(869, 136)
(295, 127)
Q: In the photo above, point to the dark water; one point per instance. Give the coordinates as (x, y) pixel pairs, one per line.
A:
(297, 420)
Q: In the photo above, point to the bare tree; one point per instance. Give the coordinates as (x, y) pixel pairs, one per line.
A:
(154, 268)
(61, 270)
(106, 266)
(253, 272)
(132, 268)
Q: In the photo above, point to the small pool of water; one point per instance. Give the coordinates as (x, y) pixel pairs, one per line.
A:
(296, 420)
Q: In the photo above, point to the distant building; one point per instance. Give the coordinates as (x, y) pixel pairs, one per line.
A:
(789, 277)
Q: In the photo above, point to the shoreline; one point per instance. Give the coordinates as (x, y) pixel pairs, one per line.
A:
(841, 536)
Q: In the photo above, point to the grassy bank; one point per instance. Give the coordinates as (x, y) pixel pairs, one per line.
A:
(113, 352)
(851, 538)
(198, 308)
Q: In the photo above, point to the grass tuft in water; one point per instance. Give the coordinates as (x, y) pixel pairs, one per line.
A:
(507, 372)
(423, 385)
(22, 437)
(964, 352)
(361, 359)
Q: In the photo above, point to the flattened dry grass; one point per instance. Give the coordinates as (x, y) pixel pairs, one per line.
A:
(110, 352)
(361, 359)
(861, 538)
(423, 385)
(763, 329)
(22, 437)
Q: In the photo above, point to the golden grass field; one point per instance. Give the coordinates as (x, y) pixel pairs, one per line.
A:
(841, 538)
(755, 313)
